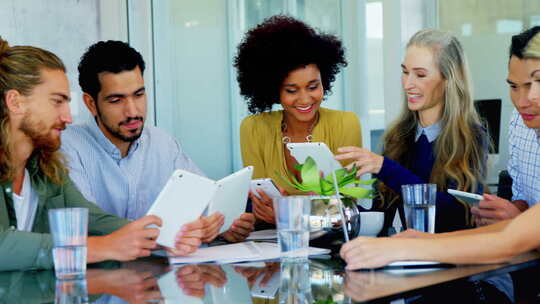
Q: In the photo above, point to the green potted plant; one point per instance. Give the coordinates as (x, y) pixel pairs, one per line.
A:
(325, 213)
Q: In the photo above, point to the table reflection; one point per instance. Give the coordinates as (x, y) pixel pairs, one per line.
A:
(320, 281)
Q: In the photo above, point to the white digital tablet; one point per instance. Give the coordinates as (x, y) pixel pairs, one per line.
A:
(268, 290)
(231, 196)
(470, 198)
(319, 151)
(266, 185)
(182, 200)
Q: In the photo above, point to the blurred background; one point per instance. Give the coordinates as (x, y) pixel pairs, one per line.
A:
(189, 46)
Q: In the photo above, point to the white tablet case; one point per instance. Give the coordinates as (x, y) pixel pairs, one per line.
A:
(319, 151)
(182, 200)
(231, 196)
(267, 185)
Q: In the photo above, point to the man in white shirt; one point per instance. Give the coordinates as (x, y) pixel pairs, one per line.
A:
(524, 141)
(116, 160)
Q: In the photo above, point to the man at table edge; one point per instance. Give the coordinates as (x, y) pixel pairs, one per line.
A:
(34, 109)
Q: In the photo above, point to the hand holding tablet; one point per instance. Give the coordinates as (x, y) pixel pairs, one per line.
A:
(470, 198)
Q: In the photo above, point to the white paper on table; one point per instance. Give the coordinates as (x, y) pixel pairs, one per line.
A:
(268, 234)
(246, 250)
(239, 252)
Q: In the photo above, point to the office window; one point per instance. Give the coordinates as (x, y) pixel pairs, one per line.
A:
(66, 28)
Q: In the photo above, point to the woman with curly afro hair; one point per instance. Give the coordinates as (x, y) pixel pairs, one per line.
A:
(285, 61)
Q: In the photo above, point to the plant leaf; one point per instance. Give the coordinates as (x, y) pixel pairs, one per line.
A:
(310, 175)
(368, 182)
(356, 192)
(294, 183)
(326, 187)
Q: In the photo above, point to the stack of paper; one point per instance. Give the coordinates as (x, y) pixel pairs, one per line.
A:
(240, 252)
(269, 234)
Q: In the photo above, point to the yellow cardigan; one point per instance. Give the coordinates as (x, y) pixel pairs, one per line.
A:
(262, 148)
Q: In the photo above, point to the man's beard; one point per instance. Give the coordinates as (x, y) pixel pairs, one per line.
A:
(41, 135)
(116, 132)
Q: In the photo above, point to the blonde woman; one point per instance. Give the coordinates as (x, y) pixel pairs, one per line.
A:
(489, 244)
(438, 137)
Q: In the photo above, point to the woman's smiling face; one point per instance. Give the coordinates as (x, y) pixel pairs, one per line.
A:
(302, 92)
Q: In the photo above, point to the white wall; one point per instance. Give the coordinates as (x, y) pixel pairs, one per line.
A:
(65, 27)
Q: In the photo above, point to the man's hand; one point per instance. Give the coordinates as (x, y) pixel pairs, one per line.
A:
(127, 243)
(493, 209)
(263, 207)
(211, 226)
(127, 284)
(253, 273)
(192, 278)
(188, 239)
(240, 228)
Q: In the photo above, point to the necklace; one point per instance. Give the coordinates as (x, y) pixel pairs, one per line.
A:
(286, 139)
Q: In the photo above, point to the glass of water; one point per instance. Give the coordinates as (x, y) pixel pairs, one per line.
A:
(295, 282)
(71, 292)
(419, 204)
(292, 220)
(69, 229)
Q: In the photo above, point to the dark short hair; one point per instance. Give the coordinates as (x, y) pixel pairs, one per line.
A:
(106, 56)
(520, 41)
(274, 48)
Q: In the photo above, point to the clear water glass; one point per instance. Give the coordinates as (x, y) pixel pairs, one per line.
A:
(71, 292)
(292, 220)
(69, 229)
(419, 204)
(295, 282)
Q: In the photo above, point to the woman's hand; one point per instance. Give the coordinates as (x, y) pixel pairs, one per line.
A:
(240, 228)
(263, 207)
(414, 234)
(368, 252)
(365, 160)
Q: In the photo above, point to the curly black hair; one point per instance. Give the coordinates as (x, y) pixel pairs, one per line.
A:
(274, 48)
(106, 56)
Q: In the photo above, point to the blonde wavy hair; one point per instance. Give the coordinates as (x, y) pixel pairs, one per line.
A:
(20, 69)
(460, 149)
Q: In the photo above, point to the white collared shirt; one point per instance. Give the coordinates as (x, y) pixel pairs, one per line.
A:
(431, 132)
(25, 205)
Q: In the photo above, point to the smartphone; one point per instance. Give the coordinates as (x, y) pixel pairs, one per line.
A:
(266, 185)
(470, 198)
